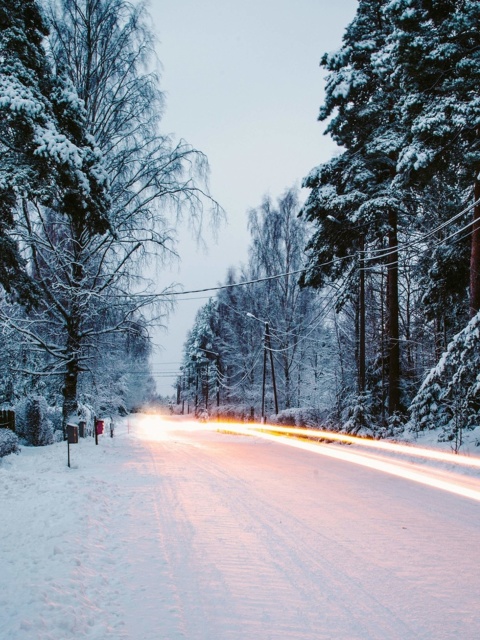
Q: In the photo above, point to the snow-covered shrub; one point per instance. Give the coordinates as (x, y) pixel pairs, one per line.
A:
(173, 408)
(357, 415)
(233, 412)
(394, 428)
(38, 429)
(54, 414)
(20, 417)
(297, 417)
(8, 442)
(52, 420)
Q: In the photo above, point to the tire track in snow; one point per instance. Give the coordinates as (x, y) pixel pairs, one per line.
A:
(246, 567)
(241, 570)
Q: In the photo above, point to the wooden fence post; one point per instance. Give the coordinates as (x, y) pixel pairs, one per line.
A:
(7, 419)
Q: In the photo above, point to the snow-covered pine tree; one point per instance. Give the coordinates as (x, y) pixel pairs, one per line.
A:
(450, 394)
(435, 48)
(442, 270)
(37, 429)
(202, 361)
(46, 156)
(353, 202)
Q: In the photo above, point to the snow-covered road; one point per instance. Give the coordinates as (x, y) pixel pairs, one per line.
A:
(173, 533)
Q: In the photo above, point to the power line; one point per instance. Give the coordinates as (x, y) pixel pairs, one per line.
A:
(234, 284)
(384, 253)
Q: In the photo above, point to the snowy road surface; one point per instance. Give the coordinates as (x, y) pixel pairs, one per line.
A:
(167, 533)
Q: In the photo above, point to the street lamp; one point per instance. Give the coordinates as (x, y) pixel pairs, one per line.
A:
(267, 346)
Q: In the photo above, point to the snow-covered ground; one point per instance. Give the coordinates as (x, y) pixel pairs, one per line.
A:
(168, 532)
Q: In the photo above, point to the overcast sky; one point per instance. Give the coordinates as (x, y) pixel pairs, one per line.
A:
(243, 85)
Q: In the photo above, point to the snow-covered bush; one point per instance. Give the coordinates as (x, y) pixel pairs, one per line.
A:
(297, 417)
(51, 421)
(54, 414)
(358, 417)
(20, 417)
(8, 442)
(234, 412)
(37, 429)
(394, 428)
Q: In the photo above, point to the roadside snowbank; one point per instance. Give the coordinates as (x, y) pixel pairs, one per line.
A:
(55, 549)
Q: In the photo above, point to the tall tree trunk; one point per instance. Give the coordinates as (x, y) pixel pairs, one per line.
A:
(475, 252)
(410, 373)
(361, 320)
(73, 326)
(286, 375)
(70, 382)
(393, 317)
(439, 341)
(383, 341)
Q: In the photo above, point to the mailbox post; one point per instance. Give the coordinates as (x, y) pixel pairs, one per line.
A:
(72, 438)
(99, 425)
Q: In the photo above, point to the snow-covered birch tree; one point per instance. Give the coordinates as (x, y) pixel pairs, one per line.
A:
(91, 283)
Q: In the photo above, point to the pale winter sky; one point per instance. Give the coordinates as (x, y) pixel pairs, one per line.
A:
(243, 85)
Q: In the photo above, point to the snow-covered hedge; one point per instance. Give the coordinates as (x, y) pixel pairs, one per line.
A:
(8, 442)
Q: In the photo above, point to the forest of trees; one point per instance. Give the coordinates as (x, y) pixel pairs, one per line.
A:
(376, 323)
(359, 306)
(90, 190)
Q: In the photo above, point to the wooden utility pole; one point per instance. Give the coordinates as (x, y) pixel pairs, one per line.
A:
(196, 390)
(208, 388)
(268, 345)
(264, 374)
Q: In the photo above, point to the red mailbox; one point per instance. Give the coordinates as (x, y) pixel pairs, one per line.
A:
(100, 426)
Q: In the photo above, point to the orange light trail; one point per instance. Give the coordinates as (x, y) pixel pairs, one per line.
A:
(411, 450)
(380, 465)
(155, 427)
(160, 427)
